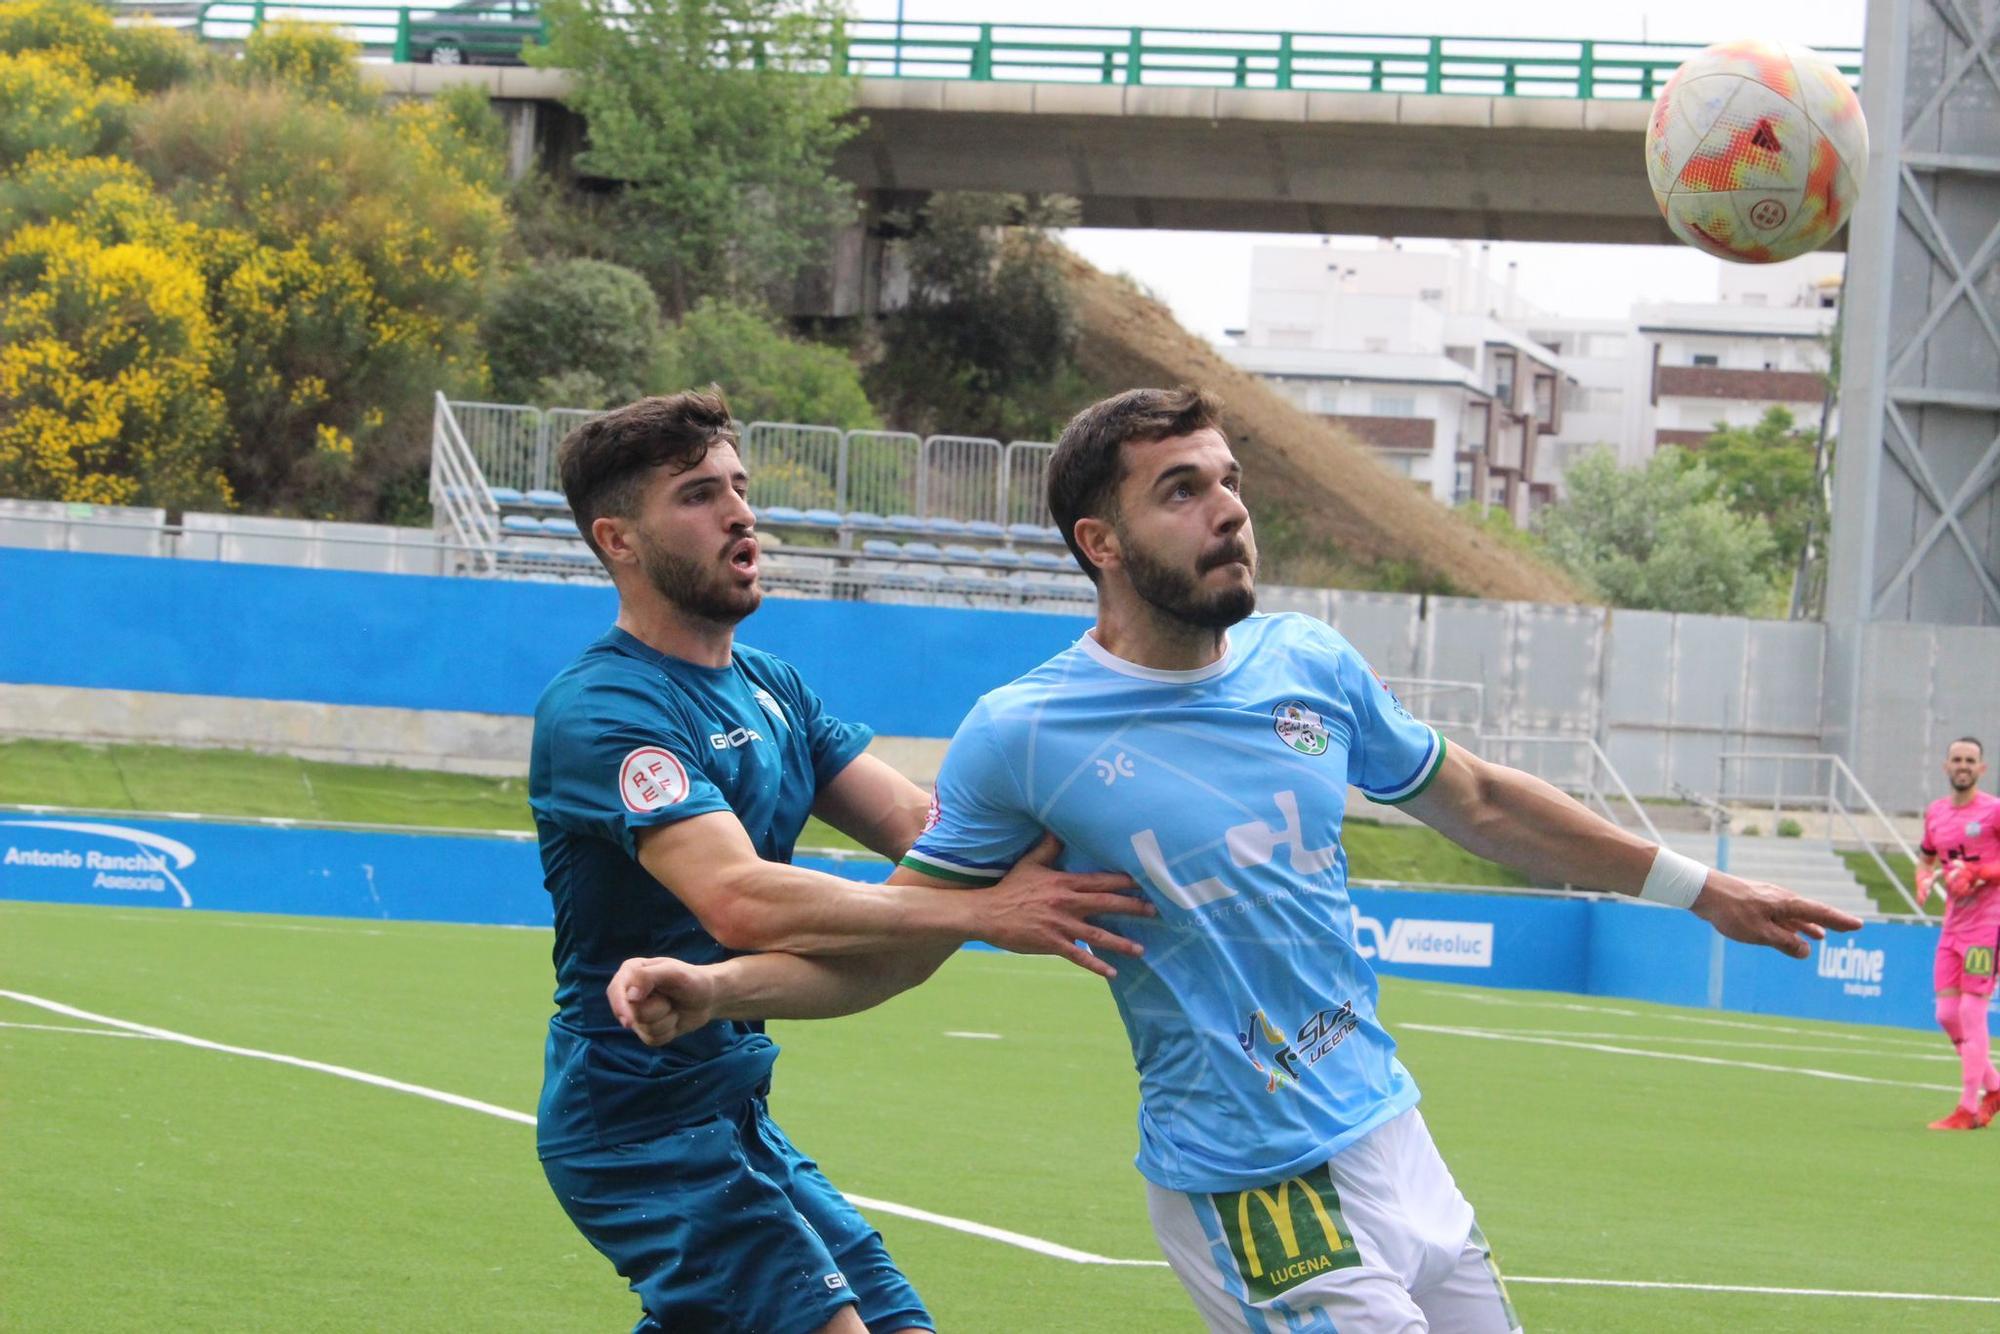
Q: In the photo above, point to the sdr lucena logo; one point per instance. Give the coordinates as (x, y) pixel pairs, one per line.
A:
(64, 857)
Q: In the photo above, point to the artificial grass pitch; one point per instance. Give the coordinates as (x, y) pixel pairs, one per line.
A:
(166, 1187)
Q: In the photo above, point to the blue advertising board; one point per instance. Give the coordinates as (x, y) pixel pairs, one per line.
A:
(1878, 975)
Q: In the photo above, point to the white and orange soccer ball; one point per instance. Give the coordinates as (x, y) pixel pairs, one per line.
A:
(1756, 151)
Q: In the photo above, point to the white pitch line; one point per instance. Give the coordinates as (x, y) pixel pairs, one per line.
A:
(1755, 1289)
(1494, 1035)
(1889, 1053)
(339, 1071)
(1887, 1036)
(964, 1033)
(93, 1032)
(1022, 1241)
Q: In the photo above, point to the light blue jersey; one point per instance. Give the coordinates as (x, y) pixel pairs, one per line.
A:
(1221, 792)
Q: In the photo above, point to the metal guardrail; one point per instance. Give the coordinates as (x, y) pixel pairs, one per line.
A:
(459, 493)
(1825, 797)
(1598, 780)
(1105, 54)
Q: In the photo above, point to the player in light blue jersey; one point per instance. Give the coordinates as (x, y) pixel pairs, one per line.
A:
(1207, 752)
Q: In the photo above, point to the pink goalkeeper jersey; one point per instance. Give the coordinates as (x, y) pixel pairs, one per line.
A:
(1970, 833)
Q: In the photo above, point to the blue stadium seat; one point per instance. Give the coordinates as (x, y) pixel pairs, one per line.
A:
(578, 557)
(944, 527)
(561, 527)
(984, 528)
(971, 583)
(504, 495)
(881, 546)
(1025, 532)
(820, 518)
(864, 519)
(781, 514)
(921, 551)
(553, 500)
(1053, 534)
(1046, 560)
(1001, 556)
(908, 523)
(520, 523)
(960, 552)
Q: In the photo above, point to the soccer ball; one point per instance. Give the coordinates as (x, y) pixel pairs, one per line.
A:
(1756, 151)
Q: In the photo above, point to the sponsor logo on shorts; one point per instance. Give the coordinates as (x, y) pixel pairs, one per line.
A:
(650, 779)
(1417, 940)
(1859, 971)
(1978, 961)
(1299, 727)
(1285, 1234)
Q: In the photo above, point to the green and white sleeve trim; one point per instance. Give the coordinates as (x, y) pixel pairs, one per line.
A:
(949, 871)
(1417, 782)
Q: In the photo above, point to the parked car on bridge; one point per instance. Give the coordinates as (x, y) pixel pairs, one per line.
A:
(475, 32)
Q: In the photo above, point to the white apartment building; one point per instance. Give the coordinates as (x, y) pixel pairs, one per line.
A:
(1670, 373)
(1469, 390)
(1417, 354)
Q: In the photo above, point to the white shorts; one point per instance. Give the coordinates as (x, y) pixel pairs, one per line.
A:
(1375, 1241)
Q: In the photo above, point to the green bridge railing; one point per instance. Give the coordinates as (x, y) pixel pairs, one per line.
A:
(1057, 53)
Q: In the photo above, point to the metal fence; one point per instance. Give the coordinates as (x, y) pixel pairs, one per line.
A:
(1075, 53)
(806, 466)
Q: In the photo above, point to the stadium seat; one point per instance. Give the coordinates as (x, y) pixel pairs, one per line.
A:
(505, 495)
(1053, 534)
(821, 518)
(1025, 532)
(1046, 560)
(1001, 556)
(547, 499)
(921, 551)
(944, 527)
(958, 551)
(781, 514)
(984, 528)
(561, 527)
(864, 519)
(520, 523)
(908, 523)
(881, 546)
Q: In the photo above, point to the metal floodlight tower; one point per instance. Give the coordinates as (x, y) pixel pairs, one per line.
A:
(1916, 483)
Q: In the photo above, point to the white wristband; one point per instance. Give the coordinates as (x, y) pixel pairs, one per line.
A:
(1674, 880)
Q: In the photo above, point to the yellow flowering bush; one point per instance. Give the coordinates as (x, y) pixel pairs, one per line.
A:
(148, 56)
(308, 58)
(105, 393)
(51, 102)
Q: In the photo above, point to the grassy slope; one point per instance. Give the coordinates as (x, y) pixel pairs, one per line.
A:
(1878, 887)
(243, 1194)
(226, 782)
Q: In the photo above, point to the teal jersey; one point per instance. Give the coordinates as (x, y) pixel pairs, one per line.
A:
(1221, 792)
(627, 739)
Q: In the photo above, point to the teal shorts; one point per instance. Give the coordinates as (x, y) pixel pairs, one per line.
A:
(723, 1225)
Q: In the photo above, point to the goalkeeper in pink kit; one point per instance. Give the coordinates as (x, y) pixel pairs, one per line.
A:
(1961, 856)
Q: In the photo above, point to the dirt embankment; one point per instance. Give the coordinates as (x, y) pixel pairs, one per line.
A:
(1328, 484)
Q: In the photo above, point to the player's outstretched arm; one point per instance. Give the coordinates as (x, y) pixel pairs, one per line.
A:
(1519, 820)
(747, 903)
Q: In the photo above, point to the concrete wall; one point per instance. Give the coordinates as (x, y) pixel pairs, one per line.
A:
(443, 672)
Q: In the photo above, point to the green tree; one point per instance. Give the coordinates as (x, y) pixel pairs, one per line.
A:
(988, 340)
(766, 374)
(720, 118)
(1767, 470)
(1658, 537)
(575, 333)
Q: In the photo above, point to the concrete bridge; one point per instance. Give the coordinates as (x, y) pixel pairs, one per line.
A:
(1207, 159)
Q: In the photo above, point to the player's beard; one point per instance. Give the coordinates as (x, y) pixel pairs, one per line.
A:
(1963, 782)
(1178, 592)
(700, 588)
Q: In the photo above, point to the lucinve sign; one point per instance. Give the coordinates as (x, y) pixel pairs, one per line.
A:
(100, 856)
(1416, 940)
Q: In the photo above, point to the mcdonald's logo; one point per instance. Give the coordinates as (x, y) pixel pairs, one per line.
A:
(1273, 1252)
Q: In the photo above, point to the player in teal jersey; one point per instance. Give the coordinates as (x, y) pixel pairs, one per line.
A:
(1207, 752)
(672, 772)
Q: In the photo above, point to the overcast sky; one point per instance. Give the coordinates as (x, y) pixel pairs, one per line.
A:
(1205, 276)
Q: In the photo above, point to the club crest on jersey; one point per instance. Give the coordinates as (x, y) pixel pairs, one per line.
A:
(1972, 829)
(932, 816)
(650, 779)
(1299, 727)
(771, 706)
(1271, 1055)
